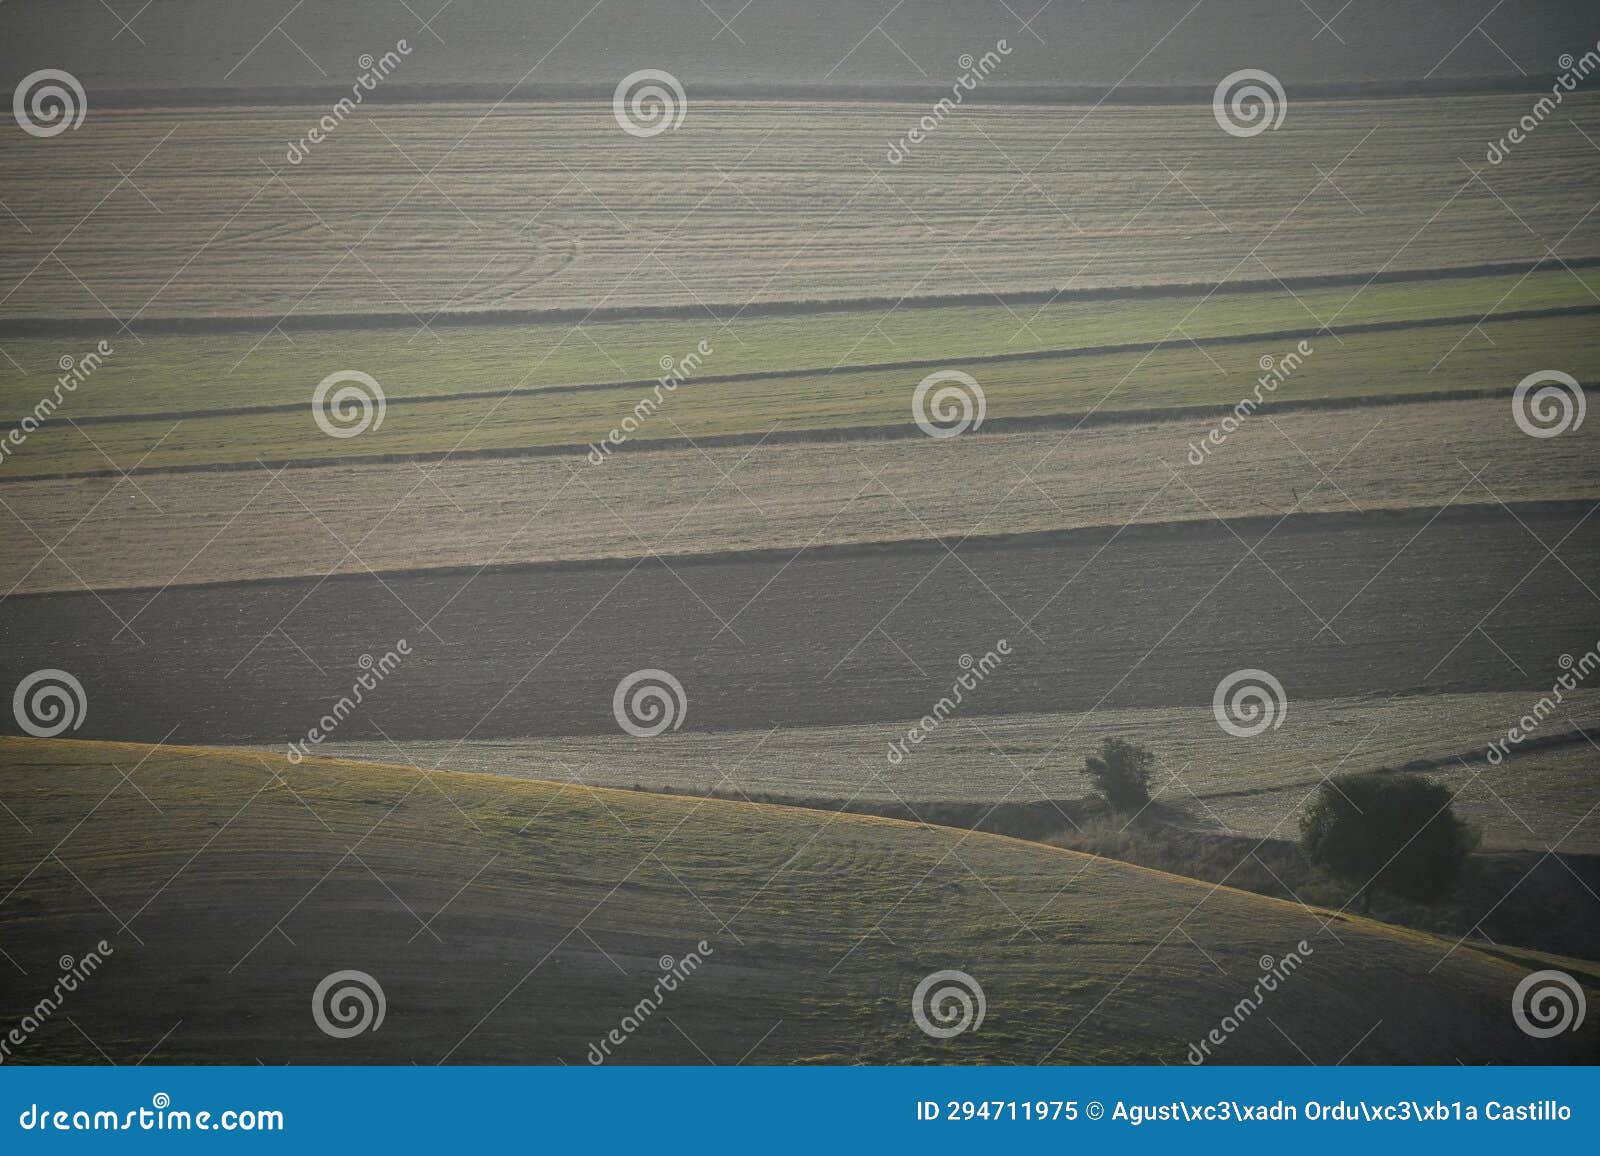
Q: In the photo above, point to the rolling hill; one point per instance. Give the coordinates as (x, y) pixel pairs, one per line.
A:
(516, 921)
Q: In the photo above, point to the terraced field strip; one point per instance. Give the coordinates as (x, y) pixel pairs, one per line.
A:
(234, 893)
(551, 206)
(773, 497)
(193, 373)
(1255, 787)
(1458, 599)
(1065, 392)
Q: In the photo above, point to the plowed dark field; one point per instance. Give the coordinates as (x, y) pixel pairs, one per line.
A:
(1458, 600)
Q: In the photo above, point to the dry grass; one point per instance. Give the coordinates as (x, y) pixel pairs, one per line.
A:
(1253, 786)
(685, 501)
(551, 205)
(514, 921)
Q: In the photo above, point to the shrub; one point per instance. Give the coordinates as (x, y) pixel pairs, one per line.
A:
(1120, 773)
(1387, 831)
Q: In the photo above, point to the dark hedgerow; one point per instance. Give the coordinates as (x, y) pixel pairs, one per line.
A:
(1390, 832)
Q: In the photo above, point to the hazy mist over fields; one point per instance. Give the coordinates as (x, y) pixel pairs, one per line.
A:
(800, 533)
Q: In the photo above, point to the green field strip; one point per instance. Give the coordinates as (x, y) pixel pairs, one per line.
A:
(1371, 366)
(194, 373)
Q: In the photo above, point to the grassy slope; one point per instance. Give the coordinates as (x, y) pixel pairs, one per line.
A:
(788, 496)
(196, 372)
(1252, 786)
(819, 926)
(1372, 365)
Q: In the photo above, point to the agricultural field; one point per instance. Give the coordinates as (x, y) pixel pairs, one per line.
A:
(1333, 605)
(516, 922)
(357, 698)
(789, 496)
(1537, 799)
(1065, 391)
(195, 49)
(194, 373)
(426, 209)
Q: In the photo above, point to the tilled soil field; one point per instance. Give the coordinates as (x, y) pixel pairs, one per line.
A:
(487, 46)
(1453, 600)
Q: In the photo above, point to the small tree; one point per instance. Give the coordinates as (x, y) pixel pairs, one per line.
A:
(1120, 772)
(1395, 832)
